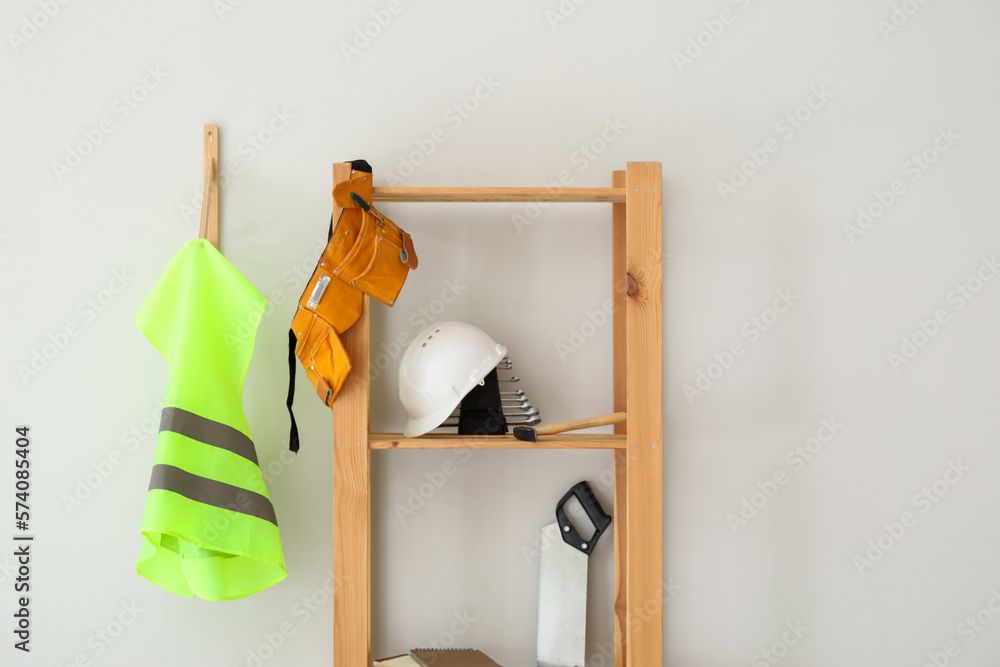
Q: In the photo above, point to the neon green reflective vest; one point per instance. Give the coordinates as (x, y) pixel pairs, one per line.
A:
(208, 528)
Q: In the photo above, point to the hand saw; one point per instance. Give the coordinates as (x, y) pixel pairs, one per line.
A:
(562, 593)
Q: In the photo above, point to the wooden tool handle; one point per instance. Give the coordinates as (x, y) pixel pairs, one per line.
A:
(603, 420)
(209, 228)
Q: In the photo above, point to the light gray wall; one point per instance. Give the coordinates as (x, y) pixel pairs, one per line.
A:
(611, 69)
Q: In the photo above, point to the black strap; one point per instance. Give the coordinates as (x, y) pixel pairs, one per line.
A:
(361, 165)
(293, 435)
(481, 411)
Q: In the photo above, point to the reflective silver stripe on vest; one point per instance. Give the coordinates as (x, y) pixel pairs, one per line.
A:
(211, 492)
(208, 431)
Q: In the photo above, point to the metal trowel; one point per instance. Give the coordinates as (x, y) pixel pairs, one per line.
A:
(562, 593)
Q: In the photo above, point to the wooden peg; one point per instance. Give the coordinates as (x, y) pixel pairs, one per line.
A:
(209, 228)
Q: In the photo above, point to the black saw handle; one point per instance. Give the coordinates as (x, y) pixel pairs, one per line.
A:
(595, 513)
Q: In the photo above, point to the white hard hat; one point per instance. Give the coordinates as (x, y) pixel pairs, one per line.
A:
(439, 368)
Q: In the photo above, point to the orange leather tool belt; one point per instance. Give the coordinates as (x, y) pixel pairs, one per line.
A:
(366, 253)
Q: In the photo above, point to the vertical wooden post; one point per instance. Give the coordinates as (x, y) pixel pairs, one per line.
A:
(208, 228)
(351, 499)
(619, 287)
(644, 386)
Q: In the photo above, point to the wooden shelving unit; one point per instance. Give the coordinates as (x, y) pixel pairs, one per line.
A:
(635, 197)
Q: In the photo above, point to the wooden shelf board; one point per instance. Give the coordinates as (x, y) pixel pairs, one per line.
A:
(450, 441)
(564, 195)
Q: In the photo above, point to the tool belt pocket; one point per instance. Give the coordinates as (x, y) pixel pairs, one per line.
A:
(322, 354)
(380, 257)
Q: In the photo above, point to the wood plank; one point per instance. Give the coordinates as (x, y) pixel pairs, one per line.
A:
(452, 441)
(565, 195)
(208, 228)
(619, 284)
(644, 387)
(351, 496)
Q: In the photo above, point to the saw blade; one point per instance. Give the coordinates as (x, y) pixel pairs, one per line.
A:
(562, 602)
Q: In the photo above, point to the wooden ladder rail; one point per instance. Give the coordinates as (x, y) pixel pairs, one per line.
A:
(637, 281)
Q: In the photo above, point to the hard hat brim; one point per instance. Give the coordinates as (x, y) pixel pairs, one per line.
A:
(415, 427)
